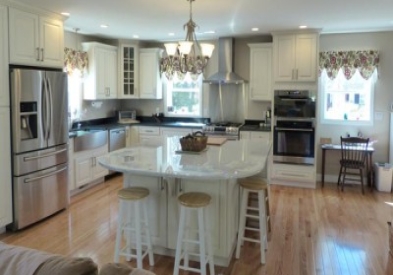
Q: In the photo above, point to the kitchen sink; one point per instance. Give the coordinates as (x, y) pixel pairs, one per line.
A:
(88, 139)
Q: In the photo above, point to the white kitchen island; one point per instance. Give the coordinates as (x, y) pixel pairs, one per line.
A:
(167, 173)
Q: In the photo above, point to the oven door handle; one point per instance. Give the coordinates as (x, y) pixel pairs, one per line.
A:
(294, 129)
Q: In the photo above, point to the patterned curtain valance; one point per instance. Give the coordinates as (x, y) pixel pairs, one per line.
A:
(74, 59)
(349, 61)
(170, 66)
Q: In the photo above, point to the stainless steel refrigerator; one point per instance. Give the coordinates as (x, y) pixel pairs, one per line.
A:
(39, 144)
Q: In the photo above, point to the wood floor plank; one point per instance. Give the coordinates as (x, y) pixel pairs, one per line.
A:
(314, 232)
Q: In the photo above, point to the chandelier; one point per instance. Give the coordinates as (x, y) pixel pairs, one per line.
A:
(187, 56)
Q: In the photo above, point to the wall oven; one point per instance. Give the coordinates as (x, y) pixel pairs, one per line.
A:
(293, 141)
(294, 104)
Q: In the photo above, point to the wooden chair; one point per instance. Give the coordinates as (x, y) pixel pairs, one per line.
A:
(353, 157)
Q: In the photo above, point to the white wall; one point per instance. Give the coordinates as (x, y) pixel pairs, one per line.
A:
(381, 41)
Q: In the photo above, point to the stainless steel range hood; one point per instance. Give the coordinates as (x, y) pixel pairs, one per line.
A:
(225, 74)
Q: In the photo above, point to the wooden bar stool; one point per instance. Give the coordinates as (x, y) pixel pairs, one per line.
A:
(259, 187)
(188, 202)
(133, 198)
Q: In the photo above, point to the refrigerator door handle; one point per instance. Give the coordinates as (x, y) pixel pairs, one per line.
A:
(43, 108)
(49, 107)
(45, 176)
(45, 155)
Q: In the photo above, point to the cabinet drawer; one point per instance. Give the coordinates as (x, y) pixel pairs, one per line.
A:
(152, 131)
(293, 173)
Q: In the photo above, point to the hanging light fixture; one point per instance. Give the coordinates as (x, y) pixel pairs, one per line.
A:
(189, 55)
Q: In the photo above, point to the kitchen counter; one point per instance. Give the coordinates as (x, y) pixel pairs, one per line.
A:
(255, 128)
(234, 159)
(167, 173)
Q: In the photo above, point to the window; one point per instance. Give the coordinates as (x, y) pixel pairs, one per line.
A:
(348, 102)
(184, 97)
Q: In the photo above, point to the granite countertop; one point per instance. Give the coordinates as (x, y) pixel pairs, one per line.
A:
(233, 159)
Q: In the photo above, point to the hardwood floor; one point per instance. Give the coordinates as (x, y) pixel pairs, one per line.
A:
(321, 231)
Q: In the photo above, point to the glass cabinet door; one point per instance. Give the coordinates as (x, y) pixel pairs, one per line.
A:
(129, 77)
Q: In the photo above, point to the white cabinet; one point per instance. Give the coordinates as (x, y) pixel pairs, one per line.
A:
(35, 40)
(148, 134)
(101, 80)
(261, 68)
(5, 169)
(170, 132)
(86, 167)
(5, 144)
(294, 175)
(128, 71)
(149, 73)
(295, 57)
(266, 136)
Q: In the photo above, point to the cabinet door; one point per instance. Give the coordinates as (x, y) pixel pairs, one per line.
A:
(52, 42)
(285, 57)
(83, 167)
(260, 135)
(217, 222)
(128, 71)
(156, 204)
(261, 72)
(244, 134)
(4, 93)
(99, 171)
(150, 81)
(100, 58)
(24, 37)
(306, 57)
(110, 73)
(5, 169)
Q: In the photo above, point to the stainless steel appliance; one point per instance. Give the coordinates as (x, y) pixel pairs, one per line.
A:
(230, 130)
(117, 140)
(39, 144)
(127, 117)
(293, 141)
(294, 104)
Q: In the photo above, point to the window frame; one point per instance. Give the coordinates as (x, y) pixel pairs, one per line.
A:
(323, 98)
(168, 90)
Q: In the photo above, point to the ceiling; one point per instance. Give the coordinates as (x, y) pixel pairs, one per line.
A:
(154, 19)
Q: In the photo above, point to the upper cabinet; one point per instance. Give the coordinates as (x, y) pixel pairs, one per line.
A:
(128, 71)
(261, 67)
(149, 73)
(295, 57)
(100, 81)
(4, 88)
(35, 40)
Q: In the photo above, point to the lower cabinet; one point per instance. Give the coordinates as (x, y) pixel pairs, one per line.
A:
(294, 175)
(5, 168)
(255, 134)
(164, 211)
(86, 166)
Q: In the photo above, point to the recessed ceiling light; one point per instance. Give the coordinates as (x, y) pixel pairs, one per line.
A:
(303, 27)
(66, 13)
(135, 36)
(255, 29)
(104, 26)
(171, 34)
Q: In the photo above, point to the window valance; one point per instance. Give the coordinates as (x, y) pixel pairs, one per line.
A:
(349, 61)
(74, 59)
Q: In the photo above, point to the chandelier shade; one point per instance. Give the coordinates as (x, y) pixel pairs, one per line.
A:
(186, 56)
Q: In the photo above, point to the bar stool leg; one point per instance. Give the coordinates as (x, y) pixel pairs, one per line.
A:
(148, 237)
(242, 222)
(262, 225)
(209, 245)
(138, 235)
(179, 241)
(119, 232)
(202, 250)
(187, 236)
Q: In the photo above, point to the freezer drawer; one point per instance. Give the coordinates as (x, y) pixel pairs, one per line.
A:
(39, 160)
(39, 195)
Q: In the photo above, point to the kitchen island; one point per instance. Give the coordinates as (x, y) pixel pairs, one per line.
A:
(167, 172)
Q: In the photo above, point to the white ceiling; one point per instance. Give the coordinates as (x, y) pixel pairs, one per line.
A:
(154, 19)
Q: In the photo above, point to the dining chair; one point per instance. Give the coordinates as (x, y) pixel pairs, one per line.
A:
(353, 157)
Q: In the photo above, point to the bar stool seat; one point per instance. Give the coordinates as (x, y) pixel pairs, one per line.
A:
(193, 201)
(251, 186)
(134, 198)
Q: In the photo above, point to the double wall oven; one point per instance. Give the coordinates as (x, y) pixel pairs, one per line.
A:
(294, 127)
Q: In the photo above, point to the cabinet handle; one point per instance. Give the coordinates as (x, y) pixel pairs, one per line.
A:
(297, 74)
(293, 74)
(180, 186)
(162, 184)
(42, 54)
(38, 53)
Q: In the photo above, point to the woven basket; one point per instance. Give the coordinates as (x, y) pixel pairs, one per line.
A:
(194, 143)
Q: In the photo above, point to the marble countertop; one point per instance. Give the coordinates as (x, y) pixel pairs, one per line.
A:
(233, 159)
